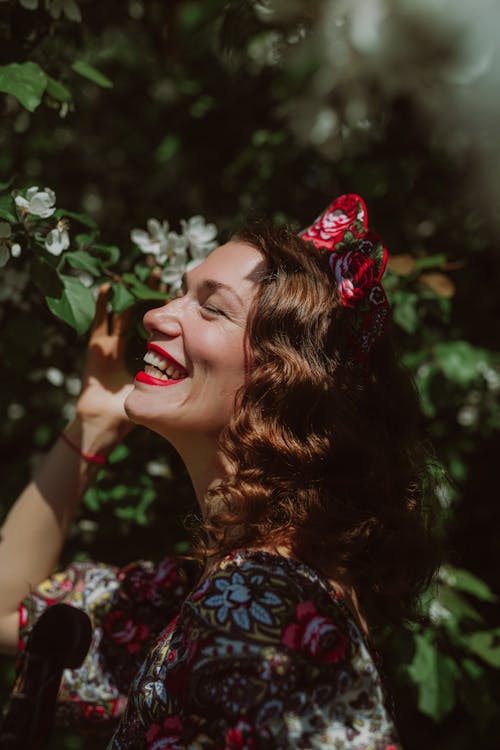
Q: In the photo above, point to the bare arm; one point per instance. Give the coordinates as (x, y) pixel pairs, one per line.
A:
(37, 525)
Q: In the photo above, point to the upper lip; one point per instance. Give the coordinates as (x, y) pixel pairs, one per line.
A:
(155, 348)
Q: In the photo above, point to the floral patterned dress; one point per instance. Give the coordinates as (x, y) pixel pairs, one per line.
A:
(260, 655)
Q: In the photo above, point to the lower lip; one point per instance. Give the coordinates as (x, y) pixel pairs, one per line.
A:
(143, 377)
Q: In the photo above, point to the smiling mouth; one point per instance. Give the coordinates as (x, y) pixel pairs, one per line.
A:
(161, 370)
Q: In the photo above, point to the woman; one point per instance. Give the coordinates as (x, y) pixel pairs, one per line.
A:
(274, 378)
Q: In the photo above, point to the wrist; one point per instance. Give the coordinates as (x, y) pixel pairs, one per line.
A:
(91, 437)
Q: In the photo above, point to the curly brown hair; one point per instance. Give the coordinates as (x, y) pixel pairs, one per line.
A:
(326, 454)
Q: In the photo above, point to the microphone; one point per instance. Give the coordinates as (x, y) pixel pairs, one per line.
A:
(60, 639)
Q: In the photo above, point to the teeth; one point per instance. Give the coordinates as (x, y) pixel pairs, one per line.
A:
(161, 364)
(150, 370)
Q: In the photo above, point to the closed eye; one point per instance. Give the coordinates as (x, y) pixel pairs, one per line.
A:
(214, 310)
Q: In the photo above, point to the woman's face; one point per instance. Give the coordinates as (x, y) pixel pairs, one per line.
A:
(197, 358)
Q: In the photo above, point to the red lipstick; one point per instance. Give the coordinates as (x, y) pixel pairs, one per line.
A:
(143, 377)
(163, 353)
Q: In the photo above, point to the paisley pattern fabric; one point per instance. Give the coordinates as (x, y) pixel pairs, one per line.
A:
(261, 654)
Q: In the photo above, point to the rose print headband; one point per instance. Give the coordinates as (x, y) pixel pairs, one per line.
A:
(357, 257)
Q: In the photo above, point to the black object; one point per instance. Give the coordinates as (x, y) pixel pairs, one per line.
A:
(60, 639)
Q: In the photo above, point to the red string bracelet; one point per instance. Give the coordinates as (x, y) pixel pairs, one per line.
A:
(87, 456)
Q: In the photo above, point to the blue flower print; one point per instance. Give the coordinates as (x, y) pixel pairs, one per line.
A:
(240, 603)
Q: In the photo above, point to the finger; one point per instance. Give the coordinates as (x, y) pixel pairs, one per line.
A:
(121, 324)
(100, 324)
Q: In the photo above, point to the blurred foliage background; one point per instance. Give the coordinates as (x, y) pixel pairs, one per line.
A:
(242, 109)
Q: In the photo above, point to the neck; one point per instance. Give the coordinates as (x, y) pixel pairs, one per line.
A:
(206, 466)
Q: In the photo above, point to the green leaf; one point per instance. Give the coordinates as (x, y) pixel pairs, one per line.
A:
(82, 218)
(26, 81)
(46, 277)
(430, 261)
(459, 360)
(405, 310)
(111, 253)
(121, 298)
(91, 499)
(120, 453)
(92, 74)
(58, 90)
(84, 262)
(486, 644)
(142, 272)
(75, 306)
(168, 148)
(142, 291)
(434, 674)
(457, 605)
(6, 185)
(462, 579)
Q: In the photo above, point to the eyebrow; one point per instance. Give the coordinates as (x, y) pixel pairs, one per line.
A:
(211, 285)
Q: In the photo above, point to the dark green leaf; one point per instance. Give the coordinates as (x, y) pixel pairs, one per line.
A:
(110, 253)
(84, 262)
(140, 290)
(431, 261)
(486, 644)
(462, 579)
(142, 272)
(457, 605)
(82, 218)
(58, 90)
(6, 185)
(91, 73)
(120, 453)
(168, 148)
(459, 361)
(405, 312)
(75, 305)
(434, 674)
(7, 208)
(46, 277)
(121, 298)
(26, 81)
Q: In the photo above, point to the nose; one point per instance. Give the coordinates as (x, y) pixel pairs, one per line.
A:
(163, 319)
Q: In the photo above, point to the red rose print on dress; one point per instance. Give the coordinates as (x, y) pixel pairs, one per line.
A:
(141, 583)
(316, 635)
(123, 630)
(239, 737)
(166, 736)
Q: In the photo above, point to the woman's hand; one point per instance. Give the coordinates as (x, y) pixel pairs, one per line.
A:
(106, 381)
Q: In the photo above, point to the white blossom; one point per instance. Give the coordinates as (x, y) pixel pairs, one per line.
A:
(54, 376)
(57, 239)
(174, 270)
(16, 250)
(200, 236)
(37, 202)
(176, 253)
(438, 613)
(154, 241)
(29, 4)
(68, 7)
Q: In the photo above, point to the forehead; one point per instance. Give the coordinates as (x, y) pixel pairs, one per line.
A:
(236, 264)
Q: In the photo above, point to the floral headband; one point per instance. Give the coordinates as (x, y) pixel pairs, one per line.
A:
(358, 258)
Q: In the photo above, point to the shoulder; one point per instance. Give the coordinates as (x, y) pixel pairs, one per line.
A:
(263, 637)
(262, 598)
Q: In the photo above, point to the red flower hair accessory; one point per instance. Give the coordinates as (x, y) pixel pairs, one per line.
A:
(358, 258)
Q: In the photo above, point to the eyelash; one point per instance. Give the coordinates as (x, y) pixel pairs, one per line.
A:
(214, 310)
